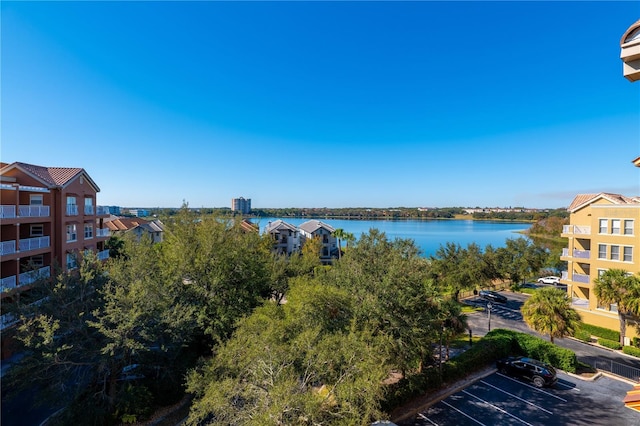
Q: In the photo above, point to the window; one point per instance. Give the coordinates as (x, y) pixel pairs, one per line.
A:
(72, 233)
(36, 261)
(72, 207)
(71, 261)
(615, 226)
(603, 226)
(600, 272)
(88, 205)
(628, 227)
(613, 307)
(602, 251)
(627, 254)
(36, 200)
(36, 230)
(615, 253)
(88, 231)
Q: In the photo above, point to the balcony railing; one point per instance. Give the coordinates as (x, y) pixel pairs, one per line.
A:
(8, 283)
(88, 209)
(72, 210)
(7, 320)
(32, 276)
(34, 211)
(580, 254)
(581, 278)
(8, 247)
(576, 230)
(103, 232)
(103, 255)
(7, 212)
(34, 243)
(102, 210)
(580, 303)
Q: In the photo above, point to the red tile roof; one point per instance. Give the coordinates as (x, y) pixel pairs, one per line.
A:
(55, 176)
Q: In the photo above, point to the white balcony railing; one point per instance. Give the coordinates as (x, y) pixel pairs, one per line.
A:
(33, 211)
(32, 276)
(579, 254)
(580, 278)
(580, 303)
(88, 210)
(7, 212)
(72, 210)
(103, 232)
(34, 243)
(576, 229)
(8, 247)
(7, 320)
(564, 275)
(103, 255)
(102, 210)
(8, 283)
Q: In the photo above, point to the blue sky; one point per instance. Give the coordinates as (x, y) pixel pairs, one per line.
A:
(324, 104)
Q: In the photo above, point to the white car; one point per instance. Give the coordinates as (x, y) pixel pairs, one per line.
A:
(549, 280)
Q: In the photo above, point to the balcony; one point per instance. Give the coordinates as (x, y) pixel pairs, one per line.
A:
(103, 255)
(579, 254)
(72, 210)
(34, 243)
(103, 232)
(580, 303)
(7, 320)
(8, 247)
(34, 211)
(581, 278)
(7, 212)
(8, 283)
(576, 230)
(102, 210)
(88, 210)
(30, 277)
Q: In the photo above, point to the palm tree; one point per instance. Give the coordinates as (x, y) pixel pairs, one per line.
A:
(616, 286)
(340, 234)
(549, 312)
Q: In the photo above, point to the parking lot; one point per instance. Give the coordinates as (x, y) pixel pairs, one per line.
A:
(502, 400)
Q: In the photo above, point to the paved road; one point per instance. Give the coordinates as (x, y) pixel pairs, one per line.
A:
(508, 316)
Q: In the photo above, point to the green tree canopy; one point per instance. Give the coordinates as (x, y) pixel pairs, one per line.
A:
(548, 311)
(617, 286)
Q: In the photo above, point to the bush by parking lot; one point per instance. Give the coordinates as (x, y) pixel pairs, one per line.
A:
(611, 344)
(601, 332)
(630, 350)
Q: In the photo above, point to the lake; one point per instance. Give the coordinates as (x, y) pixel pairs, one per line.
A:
(428, 235)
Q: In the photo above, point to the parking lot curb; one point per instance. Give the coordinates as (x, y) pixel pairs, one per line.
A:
(423, 402)
(595, 377)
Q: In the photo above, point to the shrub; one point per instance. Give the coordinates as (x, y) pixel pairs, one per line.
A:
(636, 342)
(583, 335)
(544, 351)
(630, 350)
(601, 332)
(611, 344)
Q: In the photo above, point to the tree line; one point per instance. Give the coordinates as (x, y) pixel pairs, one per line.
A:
(253, 337)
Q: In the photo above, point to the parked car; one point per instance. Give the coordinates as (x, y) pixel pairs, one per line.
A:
(492, 296)
(549, 280)
(537, 372)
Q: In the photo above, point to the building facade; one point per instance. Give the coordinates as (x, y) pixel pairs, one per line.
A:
(286, 237)
(49, 217)
(241, 205)
(152, 231)
(604, 233)
(317, 229)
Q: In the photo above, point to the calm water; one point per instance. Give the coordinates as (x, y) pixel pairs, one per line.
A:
(429, 235)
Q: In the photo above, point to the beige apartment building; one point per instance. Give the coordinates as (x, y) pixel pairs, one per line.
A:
(604, 233)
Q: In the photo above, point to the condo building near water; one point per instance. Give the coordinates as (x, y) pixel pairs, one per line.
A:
(604, 233)
(241, 205)
(49, 216)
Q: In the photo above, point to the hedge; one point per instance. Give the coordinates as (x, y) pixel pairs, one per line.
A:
(611, 344)
(630, 350)
(636, 342)
(601, 332)
(583, 335)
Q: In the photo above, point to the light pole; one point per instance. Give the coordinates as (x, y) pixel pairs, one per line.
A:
(489, 306)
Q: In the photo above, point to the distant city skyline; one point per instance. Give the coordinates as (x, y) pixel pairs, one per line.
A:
(324, 104)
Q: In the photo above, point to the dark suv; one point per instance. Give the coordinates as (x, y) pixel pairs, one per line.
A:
(537, 372)
(492, 296)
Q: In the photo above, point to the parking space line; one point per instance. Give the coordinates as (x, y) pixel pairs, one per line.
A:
(517, 397)
(422, 416)
(497, 408)
(464, 414)
(573, 388)
(532, 387)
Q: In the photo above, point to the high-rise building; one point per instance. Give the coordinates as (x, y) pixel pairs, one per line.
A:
(241, 205)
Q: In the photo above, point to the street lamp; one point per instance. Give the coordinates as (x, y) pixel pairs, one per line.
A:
(489, 306)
